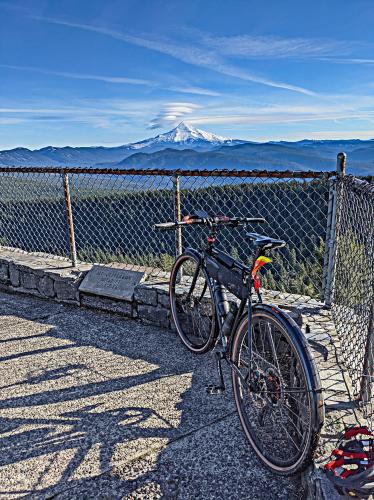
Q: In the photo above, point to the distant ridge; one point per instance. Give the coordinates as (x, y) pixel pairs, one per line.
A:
(188, 147)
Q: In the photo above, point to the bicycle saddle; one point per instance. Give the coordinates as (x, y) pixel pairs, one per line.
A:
(264, 241)
(199, 214)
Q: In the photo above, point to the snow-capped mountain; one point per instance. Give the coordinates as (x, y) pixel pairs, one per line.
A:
(181, 137)
(189, 147)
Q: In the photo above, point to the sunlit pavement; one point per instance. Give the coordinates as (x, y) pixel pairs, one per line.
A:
(93, 405)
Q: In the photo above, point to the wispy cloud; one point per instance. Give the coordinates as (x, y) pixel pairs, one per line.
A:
(118, 114)
(181, 89)
(273, 47)
(171, 113)
(10, 121)
(99, 113)
(193, 90)
(82, 76)
(188, 53)
(256, 120)
(341, 134)
(345, 60)
(15, 7)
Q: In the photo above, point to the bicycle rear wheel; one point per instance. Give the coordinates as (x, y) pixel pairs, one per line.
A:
(192, 305)
(276, 391)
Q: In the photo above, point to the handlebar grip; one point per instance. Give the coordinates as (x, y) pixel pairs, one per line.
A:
(256, 219)
(165, 226)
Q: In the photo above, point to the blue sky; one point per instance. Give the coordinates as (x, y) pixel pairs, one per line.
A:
(94, 72)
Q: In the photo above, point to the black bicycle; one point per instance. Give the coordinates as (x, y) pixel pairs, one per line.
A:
(216, 303)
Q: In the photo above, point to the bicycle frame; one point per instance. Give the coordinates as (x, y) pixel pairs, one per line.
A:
(254, 368)
(224, 271)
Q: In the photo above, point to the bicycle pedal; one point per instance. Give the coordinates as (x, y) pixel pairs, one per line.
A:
(215, 389)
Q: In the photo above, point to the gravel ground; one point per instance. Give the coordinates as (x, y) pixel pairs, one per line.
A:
(96, 406)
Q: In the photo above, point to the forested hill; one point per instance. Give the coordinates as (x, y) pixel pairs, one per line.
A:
(117, 224)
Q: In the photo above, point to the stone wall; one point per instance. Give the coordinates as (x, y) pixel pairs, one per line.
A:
(55, 279)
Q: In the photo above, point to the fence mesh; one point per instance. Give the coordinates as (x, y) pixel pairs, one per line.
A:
(114, 215)
(295, 210)
(353, 284)
(32, 212)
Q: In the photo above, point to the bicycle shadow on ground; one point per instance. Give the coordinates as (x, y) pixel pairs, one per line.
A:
(95, 405)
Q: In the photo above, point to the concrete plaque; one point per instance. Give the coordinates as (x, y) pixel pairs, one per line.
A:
(111, 282)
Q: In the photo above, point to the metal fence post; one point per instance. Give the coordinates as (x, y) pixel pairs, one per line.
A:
(177, 214)
(329, 264)
(330, 209)
(368, 368)
(69, 219)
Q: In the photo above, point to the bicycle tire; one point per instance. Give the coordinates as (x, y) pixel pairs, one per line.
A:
(194, 317)
(268, 387)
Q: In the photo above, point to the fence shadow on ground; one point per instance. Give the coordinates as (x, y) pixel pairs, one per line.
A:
(101, 405)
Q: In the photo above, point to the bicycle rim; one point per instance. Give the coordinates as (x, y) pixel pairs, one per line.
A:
(192, 306)
(273, 395)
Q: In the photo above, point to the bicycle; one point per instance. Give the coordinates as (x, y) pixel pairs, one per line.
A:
(277, 390)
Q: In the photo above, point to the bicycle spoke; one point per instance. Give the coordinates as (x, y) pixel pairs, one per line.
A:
(275, 398)
(273, 347)
(290, 437)
(297, 400)
(193, 310)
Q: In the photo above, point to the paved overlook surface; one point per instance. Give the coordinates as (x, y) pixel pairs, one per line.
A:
(96, 406)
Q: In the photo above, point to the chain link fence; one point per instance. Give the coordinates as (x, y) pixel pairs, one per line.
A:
(107, 216)
(113, 214)
(353, 284)
(33, 212)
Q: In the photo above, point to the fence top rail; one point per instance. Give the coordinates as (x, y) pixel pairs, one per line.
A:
(277, 174)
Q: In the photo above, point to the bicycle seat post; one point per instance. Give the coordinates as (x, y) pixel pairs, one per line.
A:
(211, 239)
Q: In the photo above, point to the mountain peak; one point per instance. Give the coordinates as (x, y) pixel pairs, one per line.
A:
(186, 133)
(182, 136)
(184, 126)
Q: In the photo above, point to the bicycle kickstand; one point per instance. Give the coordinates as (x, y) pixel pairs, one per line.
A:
(218, 389)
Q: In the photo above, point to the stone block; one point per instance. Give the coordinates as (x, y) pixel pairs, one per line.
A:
(45, 286)
(163, 300)
(4, 272)
(106, 304)
(19, 289)
(145, 295)
(155, 315)
(134, 310)
(28, 280)
(66, 291)
(14, 275)
(160, 287)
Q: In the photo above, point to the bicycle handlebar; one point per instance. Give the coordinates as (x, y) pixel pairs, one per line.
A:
(218, 220)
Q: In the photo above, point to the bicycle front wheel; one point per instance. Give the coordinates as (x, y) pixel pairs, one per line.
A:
(276, 390)
(192, 305)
